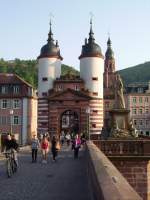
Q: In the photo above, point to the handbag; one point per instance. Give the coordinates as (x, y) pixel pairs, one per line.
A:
(58, 146)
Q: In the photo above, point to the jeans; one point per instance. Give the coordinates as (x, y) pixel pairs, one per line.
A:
(34, 155)
(76, 151)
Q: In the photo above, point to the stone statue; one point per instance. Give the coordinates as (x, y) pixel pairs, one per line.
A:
(132, 129)
(122, 133)
(119, 98)
(117, 132)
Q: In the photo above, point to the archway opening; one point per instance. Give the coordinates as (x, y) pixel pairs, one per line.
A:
(69, 122)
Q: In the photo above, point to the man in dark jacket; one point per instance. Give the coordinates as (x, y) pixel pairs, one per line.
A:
(11, 143)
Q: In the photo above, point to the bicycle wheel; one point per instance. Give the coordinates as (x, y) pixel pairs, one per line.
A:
(9, 169)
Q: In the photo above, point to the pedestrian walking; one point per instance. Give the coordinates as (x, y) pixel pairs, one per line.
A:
(83, 139)
(45, 149)
(34, 146)
(77, 144)
(62, 138)
(55, 147)
(68, 138)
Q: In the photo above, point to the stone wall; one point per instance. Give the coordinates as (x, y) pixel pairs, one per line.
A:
(131, 157)
(105, 181)
(137, 173)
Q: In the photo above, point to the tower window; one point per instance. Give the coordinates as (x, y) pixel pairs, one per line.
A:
(44, 79)
(95, 111)
(95, 93)
(93, 125)
(95, 78)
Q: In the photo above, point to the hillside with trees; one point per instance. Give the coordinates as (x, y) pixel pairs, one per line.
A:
(138, 73)
(27, 69)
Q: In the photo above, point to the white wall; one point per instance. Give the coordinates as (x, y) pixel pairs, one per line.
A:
(49, 68)
(92, 67)
(24, 120)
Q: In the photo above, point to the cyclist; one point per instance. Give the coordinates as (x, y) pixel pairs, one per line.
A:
(11, 143)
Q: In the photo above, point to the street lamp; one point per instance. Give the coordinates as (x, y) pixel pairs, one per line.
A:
(11, 115)
(88, 121)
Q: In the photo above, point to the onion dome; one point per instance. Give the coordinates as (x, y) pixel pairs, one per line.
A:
(109, 53)
(90, 48)
(51, 49)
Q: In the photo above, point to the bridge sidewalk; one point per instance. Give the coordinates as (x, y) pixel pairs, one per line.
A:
(64, 180)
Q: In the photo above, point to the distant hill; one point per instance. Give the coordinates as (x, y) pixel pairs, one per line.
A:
(138, 73)
(27, 69)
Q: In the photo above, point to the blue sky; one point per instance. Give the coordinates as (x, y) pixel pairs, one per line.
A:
(25, 25)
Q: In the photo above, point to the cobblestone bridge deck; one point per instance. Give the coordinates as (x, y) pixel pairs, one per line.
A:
(64, 180)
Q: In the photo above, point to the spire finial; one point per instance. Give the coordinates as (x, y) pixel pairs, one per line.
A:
(91, 21)
(109, 41)
(50, 35)
(91, 37)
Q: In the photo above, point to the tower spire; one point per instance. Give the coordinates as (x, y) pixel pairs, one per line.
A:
(109, 57)
(91, 33)
(109, 42)
(50, 34)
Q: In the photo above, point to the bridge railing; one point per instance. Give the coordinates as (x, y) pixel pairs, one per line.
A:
(105, 181)
(124, 147)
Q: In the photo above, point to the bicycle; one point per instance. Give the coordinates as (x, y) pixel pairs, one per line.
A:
(11, 165)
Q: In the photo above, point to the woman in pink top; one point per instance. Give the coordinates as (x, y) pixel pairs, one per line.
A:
(45, 149)
(77, 143)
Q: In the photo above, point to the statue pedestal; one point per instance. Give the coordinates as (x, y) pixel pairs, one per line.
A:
(121, 117)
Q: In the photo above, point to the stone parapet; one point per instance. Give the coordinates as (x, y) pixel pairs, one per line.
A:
(126, 147)
(131, 157)
(106, 181)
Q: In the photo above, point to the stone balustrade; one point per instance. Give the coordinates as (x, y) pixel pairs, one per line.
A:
(124, 147)
(105, 181)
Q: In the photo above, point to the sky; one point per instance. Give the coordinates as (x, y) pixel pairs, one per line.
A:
(24, 27)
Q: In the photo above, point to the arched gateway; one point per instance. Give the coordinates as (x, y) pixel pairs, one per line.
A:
(69, 122)
(64, 99)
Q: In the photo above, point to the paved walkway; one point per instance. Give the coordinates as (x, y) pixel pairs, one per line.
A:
(64, 180)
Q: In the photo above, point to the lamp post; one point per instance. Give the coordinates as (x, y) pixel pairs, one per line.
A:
(88, 121)
(11, 114)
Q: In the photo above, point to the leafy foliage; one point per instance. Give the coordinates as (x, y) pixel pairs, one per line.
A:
(27, 69)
